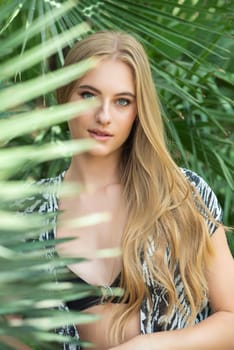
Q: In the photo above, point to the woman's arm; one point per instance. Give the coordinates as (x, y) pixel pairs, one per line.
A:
(217, 331)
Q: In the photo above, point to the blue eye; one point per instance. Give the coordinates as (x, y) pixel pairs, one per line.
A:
(86, 95)
(123, 102)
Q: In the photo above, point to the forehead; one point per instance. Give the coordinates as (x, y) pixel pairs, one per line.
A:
(111, 75)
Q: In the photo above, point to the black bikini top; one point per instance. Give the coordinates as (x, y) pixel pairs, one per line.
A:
(92, 300)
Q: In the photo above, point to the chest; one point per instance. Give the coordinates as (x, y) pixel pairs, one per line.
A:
(96, 225)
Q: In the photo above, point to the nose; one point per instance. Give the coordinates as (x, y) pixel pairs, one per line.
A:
(103, 113)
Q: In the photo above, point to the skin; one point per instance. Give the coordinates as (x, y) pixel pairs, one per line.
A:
(97, 170)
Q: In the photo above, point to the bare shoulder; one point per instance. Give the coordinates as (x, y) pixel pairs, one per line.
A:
(220, 274)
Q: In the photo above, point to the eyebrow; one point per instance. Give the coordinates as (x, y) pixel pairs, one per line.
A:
(89, 87)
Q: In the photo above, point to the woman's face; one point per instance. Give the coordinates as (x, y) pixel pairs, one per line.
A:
(110, 123)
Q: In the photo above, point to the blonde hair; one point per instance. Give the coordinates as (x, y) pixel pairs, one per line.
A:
(161, 204)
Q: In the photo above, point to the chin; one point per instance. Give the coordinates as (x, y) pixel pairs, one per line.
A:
(102, 152)
(97, 153)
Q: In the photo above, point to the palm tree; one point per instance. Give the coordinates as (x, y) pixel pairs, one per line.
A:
(189, 44)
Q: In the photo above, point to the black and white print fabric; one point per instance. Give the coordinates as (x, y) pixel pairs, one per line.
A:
(151, 317)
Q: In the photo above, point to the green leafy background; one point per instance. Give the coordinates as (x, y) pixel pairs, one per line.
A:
(190, 46)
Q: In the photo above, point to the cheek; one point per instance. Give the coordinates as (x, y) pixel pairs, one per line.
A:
(80, 120)
(130, 118)
(76, 125)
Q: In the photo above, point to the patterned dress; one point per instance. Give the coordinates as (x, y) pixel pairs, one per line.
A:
(150, 316)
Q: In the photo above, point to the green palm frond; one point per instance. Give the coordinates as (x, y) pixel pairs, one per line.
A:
(27, 277)
(191, 53)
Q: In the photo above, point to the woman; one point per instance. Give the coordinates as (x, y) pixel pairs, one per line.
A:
(166, 220)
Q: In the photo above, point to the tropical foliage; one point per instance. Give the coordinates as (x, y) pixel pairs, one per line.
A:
(190, 47)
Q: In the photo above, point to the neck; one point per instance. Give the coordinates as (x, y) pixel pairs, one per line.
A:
(93, 172)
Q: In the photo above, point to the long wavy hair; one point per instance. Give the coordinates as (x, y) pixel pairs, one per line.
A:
(162, 213)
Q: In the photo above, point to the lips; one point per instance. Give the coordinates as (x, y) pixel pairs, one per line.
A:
(100, 132)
